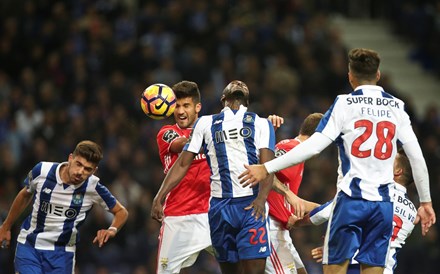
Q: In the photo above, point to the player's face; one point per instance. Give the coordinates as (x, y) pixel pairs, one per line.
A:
(79, 169)
(186, 112)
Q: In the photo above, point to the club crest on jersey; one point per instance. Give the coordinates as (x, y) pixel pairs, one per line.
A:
(164, 263)
(78, 198)
(169, 135)
(248, 119)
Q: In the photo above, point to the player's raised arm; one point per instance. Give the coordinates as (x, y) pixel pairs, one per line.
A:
(312, 146)
(172, 179)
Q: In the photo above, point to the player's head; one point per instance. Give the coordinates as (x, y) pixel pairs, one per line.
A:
(402, 169)
(235, 92)
(309, 124)
(363, 67)
(83, 161)
(188, 103)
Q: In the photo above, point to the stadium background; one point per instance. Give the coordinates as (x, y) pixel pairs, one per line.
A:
(73, 70)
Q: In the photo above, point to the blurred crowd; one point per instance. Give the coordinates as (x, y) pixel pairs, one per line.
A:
(74, 70)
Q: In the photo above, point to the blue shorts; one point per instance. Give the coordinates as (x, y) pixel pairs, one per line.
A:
(36, 261)
(235, 234)
(359, 224)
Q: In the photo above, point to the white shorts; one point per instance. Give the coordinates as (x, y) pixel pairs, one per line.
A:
(181, 239)
(283, 257)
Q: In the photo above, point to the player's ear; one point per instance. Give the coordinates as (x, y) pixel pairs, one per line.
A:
(377, 75)
(398, 171)
(198, 107)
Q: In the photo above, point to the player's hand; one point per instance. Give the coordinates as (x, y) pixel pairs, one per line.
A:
(291, 221)
(5, 237)
(103, 235)
(426, 215)
(157, 210)
(276, 121)
(317, 254)
(297, 203)
(259, 209)
(253, 175)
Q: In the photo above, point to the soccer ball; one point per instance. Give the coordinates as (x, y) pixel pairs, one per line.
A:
(158, 101)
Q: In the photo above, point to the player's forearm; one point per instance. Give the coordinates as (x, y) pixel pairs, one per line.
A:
(120, 216)
(419, 170)
(309, 148)
(20, 203)
(279, 187)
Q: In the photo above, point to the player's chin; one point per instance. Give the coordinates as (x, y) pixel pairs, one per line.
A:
(183, 123)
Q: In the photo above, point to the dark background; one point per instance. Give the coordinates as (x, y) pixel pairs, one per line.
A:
(74, 70)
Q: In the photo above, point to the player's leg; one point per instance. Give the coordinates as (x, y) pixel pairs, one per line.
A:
(336, 268)
(344, 234)
(253, 239)
(231, 268)
(27, 260)
(58, 261)
(368, 269)
(180, 241)
(253, 266)
(376, 244)
(223, 226)
(282, 256)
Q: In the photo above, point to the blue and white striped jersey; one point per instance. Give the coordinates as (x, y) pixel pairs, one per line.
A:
(231, 139)
(366, 125)
(58, 208)
(403, 222)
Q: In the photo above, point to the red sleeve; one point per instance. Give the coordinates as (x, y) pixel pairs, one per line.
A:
(164, 138)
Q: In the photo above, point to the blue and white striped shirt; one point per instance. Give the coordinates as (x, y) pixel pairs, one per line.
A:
(59, 209)
(231, 139)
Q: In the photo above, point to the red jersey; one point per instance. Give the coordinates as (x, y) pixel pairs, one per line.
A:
(191, 195)
(279, 208)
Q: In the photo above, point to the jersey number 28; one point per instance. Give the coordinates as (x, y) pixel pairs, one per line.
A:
(385, 131)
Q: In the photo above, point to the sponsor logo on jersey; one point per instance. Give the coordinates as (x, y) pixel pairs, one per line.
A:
(58, 210)
(170, 135)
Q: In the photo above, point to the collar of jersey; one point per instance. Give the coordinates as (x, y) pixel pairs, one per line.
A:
(242, 108)
(369, 87)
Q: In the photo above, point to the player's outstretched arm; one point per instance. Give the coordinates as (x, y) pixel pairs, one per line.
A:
(120, 217)
(297, 203)
(172, 179)
(20, 203)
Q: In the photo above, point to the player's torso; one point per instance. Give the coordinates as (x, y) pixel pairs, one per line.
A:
(370, 121)
(191, 196)
(404, 216)
(231, 142)
(57, 211)
(279, 208)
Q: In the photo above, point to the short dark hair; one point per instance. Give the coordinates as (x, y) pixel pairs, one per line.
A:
(91, 151)
(185, 89)
(309, 124)
(363, 63)
(404, 164)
